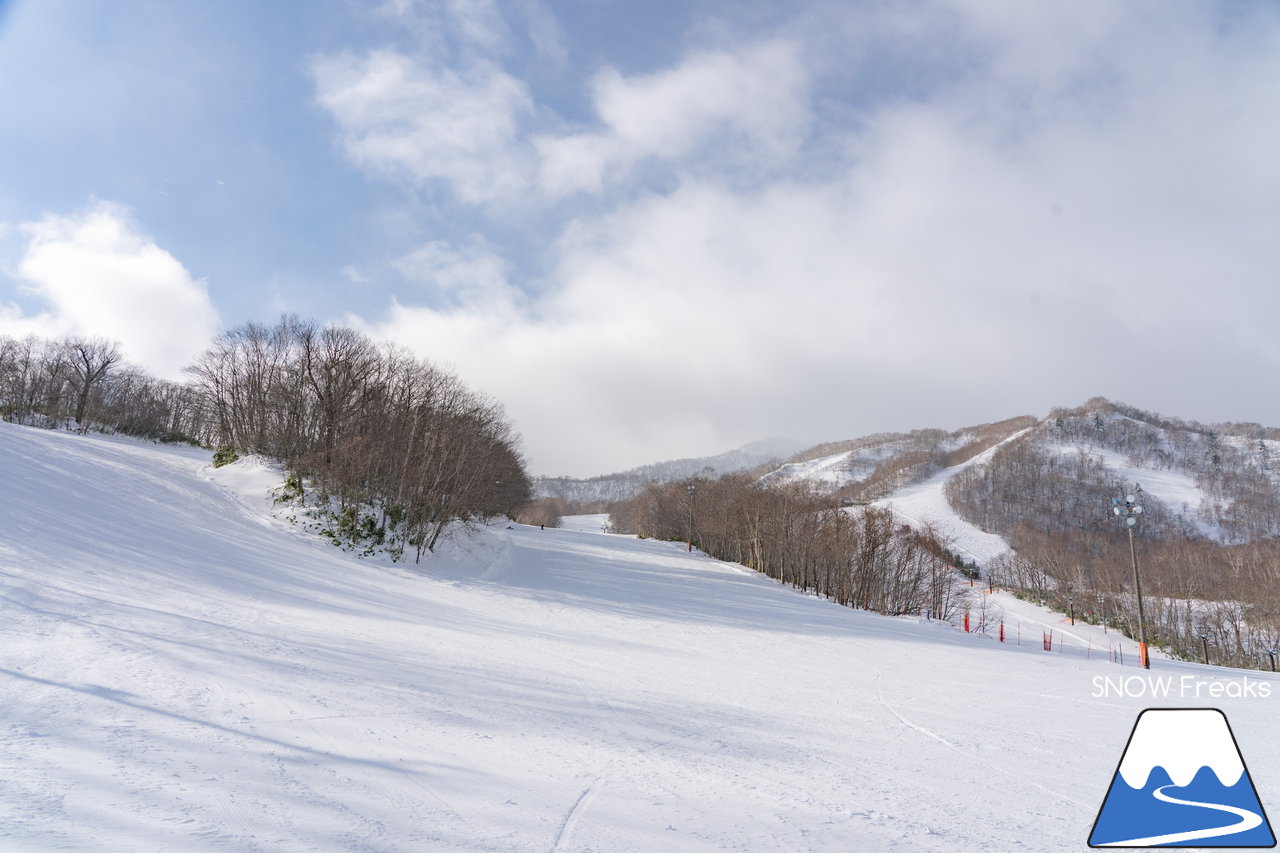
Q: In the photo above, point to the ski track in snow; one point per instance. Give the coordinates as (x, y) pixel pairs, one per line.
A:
(571, 817)
(181, 671)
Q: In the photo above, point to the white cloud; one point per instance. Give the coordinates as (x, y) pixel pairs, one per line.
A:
(997, 243)
(667, 333)
(405, 118)
(470, 275)
(480, 22)
(475, 24)
(353, 274)
(101, 275)
(747, 103)
(466, 127)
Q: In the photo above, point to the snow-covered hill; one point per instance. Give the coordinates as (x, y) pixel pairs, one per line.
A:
(183, 672)
(830, 472)
(1218, 482)
(874, 466)
(925, 506)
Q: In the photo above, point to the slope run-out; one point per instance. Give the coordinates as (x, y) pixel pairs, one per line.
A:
(183, 672)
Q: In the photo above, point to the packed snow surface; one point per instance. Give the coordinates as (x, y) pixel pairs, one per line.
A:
(182, 671)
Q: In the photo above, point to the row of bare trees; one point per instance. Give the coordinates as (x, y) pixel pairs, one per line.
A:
(859, 558)
(395, 449)
(85, 382)
(1190, 587)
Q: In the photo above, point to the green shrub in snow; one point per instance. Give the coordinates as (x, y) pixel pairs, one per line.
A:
(224, 455)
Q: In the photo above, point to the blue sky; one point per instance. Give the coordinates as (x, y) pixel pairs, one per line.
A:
(665, 229)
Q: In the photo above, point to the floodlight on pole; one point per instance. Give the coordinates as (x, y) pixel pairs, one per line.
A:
(1128, 509)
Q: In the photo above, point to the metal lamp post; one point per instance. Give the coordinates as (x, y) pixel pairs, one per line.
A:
(691, 488)
(1129, 509)
(1273, 653)
(1204, 642)
(1071, 602)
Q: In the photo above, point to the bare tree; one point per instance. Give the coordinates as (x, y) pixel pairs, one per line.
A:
(88, 361)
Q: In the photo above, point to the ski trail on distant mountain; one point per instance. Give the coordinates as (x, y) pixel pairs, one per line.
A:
(1248, 820)
(925, 505)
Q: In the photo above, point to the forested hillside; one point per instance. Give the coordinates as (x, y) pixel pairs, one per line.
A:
(1207, 538)
(1217, 482)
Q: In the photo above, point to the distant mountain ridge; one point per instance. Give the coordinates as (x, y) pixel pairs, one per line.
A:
(626, 484)
(1216, 482)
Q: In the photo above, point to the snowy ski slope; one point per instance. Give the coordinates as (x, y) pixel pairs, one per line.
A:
(925, 504)
(183, 672)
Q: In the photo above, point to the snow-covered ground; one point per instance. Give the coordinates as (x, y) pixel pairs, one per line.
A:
(181, 671)
(586, 523)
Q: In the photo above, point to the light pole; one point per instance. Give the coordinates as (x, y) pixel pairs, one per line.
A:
(1204, 641)
(1129, 509)
(691, 488)
(1071, 602)
(1273, 653)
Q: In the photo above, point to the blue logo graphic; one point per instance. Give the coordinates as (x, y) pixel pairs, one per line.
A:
(1182, 783)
